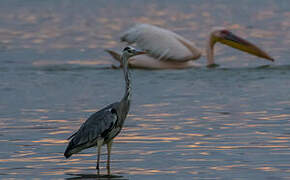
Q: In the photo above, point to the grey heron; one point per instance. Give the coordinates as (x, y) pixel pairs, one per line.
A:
(103, 126)
(168, 50)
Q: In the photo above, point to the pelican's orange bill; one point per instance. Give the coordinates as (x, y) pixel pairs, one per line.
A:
(237, 42)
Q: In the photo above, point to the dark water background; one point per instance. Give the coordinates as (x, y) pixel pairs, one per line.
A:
(232, 122)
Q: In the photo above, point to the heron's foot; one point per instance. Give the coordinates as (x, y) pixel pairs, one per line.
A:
(108, 170)
(212, 65)
(98, 170)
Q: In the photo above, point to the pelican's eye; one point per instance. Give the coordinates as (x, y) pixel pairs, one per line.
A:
(225, 32)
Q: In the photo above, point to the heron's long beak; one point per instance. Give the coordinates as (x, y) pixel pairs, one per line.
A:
(234, 41)
(139, 52)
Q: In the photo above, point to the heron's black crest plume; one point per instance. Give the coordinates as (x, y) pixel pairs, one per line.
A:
(126, 48)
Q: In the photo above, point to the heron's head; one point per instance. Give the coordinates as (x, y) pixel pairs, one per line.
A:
(226, 37)
(130, 51)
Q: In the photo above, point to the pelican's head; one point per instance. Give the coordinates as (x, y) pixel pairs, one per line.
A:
(130, 51)
(224, 36)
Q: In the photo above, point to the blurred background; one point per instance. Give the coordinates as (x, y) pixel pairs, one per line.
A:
(231, 122)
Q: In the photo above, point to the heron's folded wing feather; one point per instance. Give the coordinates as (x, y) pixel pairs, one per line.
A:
(95, 126)
(161, 43)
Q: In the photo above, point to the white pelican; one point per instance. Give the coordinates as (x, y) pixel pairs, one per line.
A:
(168, 50)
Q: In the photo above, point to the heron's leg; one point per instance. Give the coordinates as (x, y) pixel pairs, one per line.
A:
(99, 145)
(109, 146)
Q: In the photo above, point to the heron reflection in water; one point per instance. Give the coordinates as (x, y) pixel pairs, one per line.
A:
(103, 126)
(168, 50)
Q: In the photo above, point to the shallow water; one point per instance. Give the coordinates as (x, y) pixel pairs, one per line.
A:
(231, 122)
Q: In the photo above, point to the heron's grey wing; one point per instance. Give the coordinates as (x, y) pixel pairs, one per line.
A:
(96, 126)
(161, 43)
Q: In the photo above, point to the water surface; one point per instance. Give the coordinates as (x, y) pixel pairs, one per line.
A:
(231, 122)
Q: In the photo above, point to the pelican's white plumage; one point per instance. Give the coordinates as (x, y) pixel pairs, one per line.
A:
(161, 43)
(168, 50)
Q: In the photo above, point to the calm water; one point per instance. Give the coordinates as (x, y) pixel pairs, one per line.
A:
(232, 122)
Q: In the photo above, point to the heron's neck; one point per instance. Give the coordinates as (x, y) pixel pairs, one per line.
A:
(210, 50)
(127, 95)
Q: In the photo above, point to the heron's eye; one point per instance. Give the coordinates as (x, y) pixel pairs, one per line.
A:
(113, 111)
